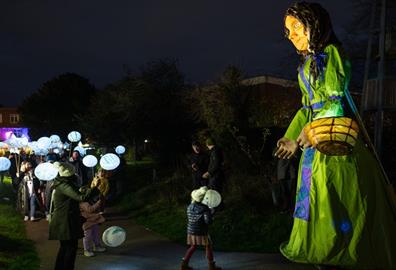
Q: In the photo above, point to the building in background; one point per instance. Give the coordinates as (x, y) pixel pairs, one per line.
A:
(10, 124)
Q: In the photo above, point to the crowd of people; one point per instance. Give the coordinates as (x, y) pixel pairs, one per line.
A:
(73, 203)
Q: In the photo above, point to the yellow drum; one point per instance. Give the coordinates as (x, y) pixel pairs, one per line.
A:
(334, 136)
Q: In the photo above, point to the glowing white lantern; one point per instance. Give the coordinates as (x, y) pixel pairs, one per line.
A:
(54, 145)
(5, 164)
(120, 149)
(109, 161)
(13, 142)
(74, 136)
(55, 138)
(46, 171)
(80, 149)
(23, 141)
(44, 143)
(34, 146)
(114, 236)
(90, 161)
(212, 198)
(41, 152)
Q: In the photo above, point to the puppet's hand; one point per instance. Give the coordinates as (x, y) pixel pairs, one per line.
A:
(286, 148)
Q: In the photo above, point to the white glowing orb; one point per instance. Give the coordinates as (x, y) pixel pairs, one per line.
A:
(12, 141)
(90, 161)
(5, 164)
(46, 171)
(23, 141)
(120, 149)
(109, 161)
(44, 143)
(212, 198)
(74, 136)
(34, 146)
(55, 138)
(41, 152)
(114, 236)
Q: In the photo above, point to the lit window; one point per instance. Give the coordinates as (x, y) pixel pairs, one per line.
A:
(14, 118)
(1, 118)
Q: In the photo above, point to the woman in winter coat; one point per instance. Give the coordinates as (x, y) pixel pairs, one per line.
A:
(66, 223)
(199, 217)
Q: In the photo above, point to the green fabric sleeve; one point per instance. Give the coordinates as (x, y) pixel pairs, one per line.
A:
(297, 124)
(70, 192)
(333, 84)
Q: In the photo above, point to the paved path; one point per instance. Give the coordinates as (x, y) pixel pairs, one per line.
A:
(145, 250)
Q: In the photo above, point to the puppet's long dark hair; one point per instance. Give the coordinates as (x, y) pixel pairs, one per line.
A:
(317, 21)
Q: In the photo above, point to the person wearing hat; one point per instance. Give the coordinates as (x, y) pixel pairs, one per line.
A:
(199, 217)
(215, 173)
(65, 223)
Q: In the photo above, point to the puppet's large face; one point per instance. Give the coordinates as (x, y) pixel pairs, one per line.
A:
(297, 33)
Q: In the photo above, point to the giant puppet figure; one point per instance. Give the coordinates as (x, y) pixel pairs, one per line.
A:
(343, 217)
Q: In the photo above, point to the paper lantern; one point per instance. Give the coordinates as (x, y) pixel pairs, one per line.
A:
(5, 164)
(34, 146)
(14, 150)
(120, 149)
(13, 142)
(74, 136)
(90, 161)
(109, 161)
(23, 141)
(56, 145)
(212, 198)
(44, 143)
(114, 236)
(46, 171)
(80, 149)
(55, 138)
(41, 152)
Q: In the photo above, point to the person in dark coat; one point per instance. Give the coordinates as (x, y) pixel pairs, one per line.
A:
(79, 168)
(65, 223)
(215, 172)
(199, 217)
(199, 165)
(13, 171)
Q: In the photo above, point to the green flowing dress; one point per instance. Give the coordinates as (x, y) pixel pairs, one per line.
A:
(343, 216)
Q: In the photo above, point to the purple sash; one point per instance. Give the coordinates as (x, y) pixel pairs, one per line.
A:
(302, 201)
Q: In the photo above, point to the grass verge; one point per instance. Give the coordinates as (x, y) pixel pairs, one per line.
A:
(16, 251)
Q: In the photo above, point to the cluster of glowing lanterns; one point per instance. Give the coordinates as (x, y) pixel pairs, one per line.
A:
(44, 145)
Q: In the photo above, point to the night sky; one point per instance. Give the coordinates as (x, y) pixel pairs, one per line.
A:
(97, 39)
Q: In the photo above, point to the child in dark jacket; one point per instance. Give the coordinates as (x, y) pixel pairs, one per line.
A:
(199, 217)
